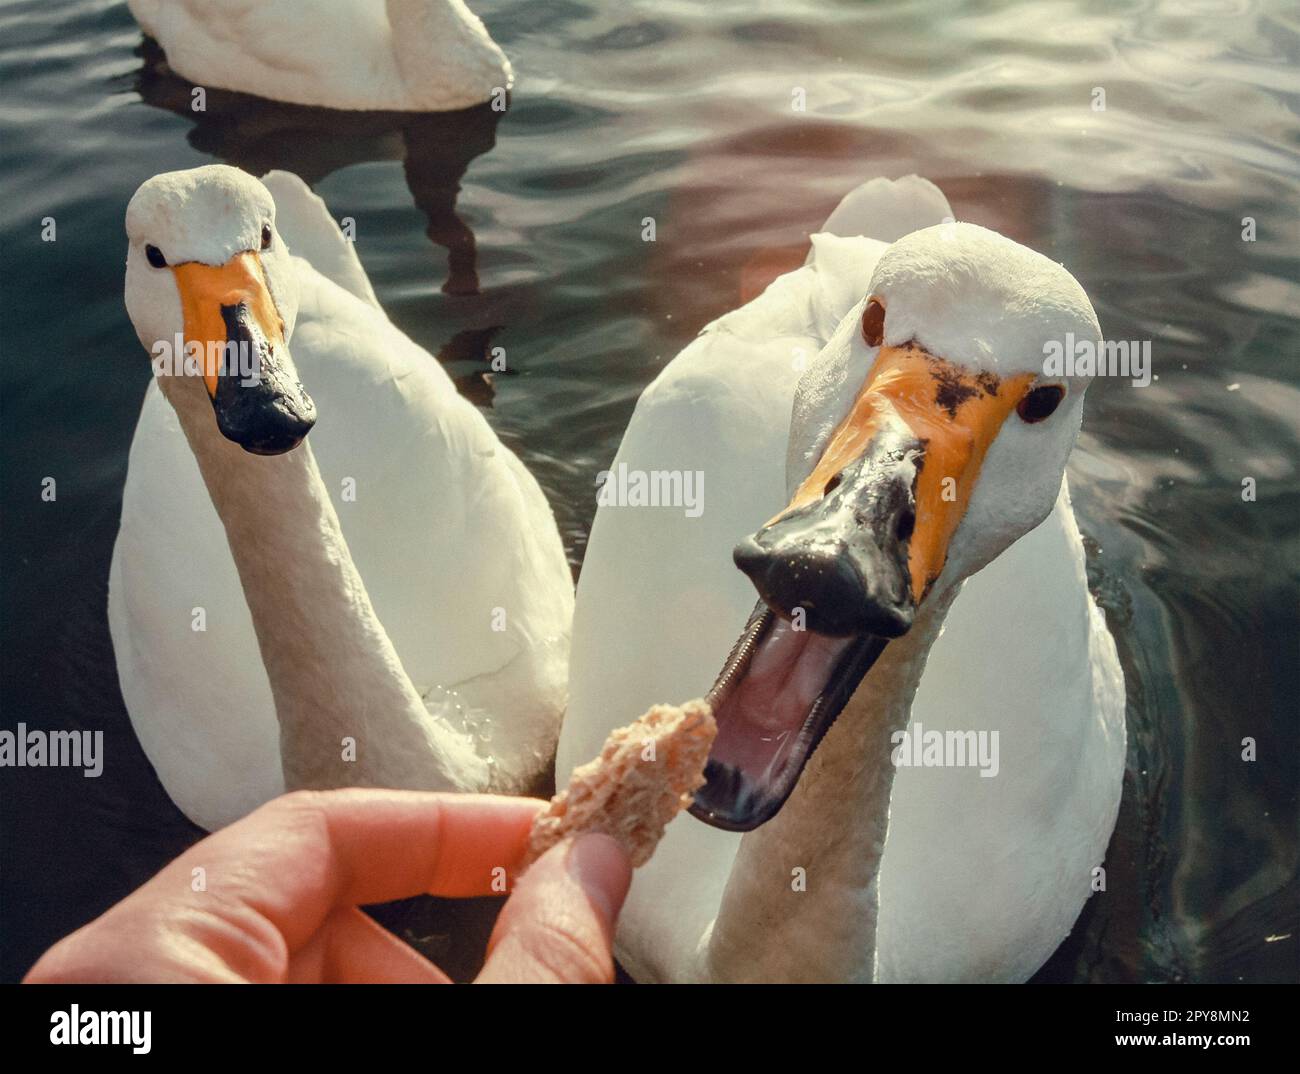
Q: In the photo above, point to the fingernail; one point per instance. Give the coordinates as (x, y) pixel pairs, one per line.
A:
(600, 866)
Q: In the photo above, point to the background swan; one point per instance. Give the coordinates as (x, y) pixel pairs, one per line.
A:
(401, 55)
(427, 617)
(907, 873)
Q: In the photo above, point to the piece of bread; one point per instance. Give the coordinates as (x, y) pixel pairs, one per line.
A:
(645, 775)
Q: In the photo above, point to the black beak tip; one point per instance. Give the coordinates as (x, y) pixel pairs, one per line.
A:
(749, 556)
(838, 595)
(268, 431)
(279, 444)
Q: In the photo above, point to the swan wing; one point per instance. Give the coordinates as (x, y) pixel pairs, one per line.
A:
(312, 52)
(406, 55)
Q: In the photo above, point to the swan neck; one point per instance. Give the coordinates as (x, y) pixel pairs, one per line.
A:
(348, 713)
(801, 901)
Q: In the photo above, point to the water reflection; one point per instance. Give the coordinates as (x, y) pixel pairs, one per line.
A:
(259, 135)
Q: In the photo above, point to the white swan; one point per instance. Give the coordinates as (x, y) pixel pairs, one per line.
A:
(868, 871)
(401, 55)
(406, 581)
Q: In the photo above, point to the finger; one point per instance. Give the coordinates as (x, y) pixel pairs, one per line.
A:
(353, 948)
(299, 857)
(393, 844)
(558, 926)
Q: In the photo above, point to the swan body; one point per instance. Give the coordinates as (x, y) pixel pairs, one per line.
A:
(406, 579)
(909, 873)
(402, 55)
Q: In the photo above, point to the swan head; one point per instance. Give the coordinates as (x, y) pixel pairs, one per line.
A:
(928, 435)
(211, 292)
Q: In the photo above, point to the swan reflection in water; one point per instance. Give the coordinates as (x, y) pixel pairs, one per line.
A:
(259, 135)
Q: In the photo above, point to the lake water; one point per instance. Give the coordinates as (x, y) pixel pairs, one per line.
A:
(685, 112)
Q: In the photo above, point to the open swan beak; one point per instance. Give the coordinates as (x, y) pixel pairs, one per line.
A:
(843, 568)
(230, 315)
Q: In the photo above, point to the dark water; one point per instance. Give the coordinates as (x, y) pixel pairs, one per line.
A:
(684, 112)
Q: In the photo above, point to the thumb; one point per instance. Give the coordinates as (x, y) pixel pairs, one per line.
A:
(558, 926)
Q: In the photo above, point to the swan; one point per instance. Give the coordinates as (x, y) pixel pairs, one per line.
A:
(401, 55)
(385, 602)
(884, 453)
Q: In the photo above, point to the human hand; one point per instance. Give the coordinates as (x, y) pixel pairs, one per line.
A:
(281, 890)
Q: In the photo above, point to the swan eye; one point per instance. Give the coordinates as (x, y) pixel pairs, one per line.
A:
(873, 323)
(1040, 403)
(155, 257)
(266, 236)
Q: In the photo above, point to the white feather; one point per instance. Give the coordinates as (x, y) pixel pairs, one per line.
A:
(402, 55)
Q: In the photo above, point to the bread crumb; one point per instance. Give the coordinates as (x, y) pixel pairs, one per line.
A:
(645, 775)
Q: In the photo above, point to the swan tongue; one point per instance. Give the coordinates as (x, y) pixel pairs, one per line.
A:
(778, 694)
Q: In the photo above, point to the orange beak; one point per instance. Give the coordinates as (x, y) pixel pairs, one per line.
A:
(207, 289)
(867, 532)
(232, 321)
